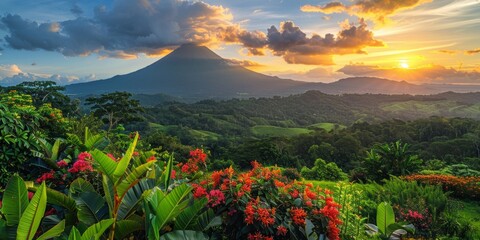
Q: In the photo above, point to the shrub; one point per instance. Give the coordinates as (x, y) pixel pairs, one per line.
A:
(291, 173)
(263, 204)
(324, 171)
(461, 187)
(410, 200)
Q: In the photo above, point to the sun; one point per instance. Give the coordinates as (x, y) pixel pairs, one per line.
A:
(404, 64)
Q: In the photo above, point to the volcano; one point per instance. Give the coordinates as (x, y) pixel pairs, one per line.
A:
(191, 71)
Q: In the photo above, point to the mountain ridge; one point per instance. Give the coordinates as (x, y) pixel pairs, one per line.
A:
(193, 71)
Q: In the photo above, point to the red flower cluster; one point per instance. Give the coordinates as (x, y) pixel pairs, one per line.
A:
(62, 164)
(215, 198)
(46, 176)
(330, 210)
(83, 163)
(462, 187)
(258, 236)
(253, 211)
(298, 215)
(197, 157)
(282, 231)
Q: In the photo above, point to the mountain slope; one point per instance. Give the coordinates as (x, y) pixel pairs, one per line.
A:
(191, 71)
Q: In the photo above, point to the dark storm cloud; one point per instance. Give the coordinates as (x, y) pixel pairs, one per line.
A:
(76, 10)
(130, 27)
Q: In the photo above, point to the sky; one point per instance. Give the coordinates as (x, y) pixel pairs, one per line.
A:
(419, 41)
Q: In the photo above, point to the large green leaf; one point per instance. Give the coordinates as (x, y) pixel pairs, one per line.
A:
(57, 198)
(133, 198)
(91, 207)
(95, 231)
(133, 178)
(172, 204)
(188, 218)
(123, 163)
(168, 174)
(125, 227)
(108, 190)
(31, 218)
(55, 231)
(105, 163)
(55, 150)
(15, 200)
(79, 185)
(385, 216)
(74, 234)
(184, 235)
(207, 220)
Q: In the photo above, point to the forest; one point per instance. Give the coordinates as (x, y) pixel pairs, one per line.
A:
(307, 166)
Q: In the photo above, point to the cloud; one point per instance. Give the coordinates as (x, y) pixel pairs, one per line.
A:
(254, 41)
(290, 42)
(429, 74)
(376, 10)
(243, 63)
(125, 29)
(76, 10)
(129, 28)
(447, 51)
(11, 75)
(473, 51)
(318, 74)
(295, 47)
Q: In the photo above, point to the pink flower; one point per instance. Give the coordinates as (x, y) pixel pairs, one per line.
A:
(81, 166)
(62, 164)
(46, 176)
(215, 197)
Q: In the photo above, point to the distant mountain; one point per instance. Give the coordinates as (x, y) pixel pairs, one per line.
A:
(193, 72)
(375, 85)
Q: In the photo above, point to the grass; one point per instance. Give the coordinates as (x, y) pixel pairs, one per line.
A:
(430, 108)
(327, 126)
(273, 131)
(469, 211)
(204, 135)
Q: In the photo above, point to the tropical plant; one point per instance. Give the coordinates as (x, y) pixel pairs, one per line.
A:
(21, 218)
(385, 160)
(386, 227)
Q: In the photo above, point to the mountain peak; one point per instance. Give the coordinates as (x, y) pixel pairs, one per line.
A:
(193, 51)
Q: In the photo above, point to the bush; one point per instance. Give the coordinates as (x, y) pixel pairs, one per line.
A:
(461, 187)
(291, 173)
(323, 171)
(221, 164)
(413, 202)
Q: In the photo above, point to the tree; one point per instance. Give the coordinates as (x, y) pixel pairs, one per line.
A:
(115, 108)
(391, 159)
(48, 92)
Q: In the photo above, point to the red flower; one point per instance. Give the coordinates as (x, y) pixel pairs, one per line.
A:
(298, 215)
(266, 216)
(46, 176)
(62, 164)
(81, 166)
(113, 157)
(294, 193)
(249, 213)
(281, 230)
(215, 197)
(199, 191)
(51, 211)
(152, 158)
(173, 174)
